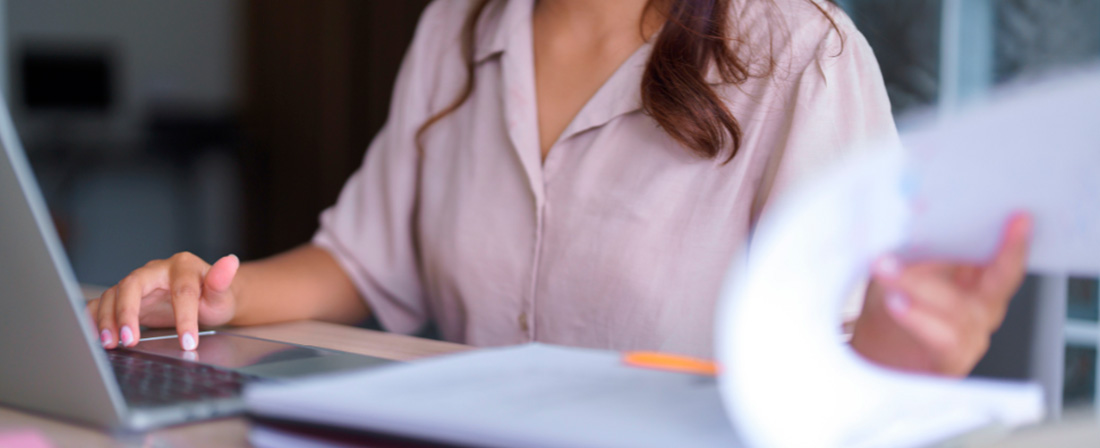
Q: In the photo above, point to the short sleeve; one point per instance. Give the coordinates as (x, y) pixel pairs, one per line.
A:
(836, 107)
(370, 229)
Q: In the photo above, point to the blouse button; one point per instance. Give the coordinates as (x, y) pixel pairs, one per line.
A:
(523, 322)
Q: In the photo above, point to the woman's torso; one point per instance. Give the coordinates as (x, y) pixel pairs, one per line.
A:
(622, 237)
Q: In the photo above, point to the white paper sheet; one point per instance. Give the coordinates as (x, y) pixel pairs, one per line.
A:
(531, 396)
(947, 196)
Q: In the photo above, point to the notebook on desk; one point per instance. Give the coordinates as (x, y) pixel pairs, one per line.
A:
(531, 395)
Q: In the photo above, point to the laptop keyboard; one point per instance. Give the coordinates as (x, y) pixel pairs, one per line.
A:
(149, 380)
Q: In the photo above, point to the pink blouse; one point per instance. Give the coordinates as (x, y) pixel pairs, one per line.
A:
(621, 238)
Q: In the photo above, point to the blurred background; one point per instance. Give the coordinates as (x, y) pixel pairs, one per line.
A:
(217, 126)
(226, 126)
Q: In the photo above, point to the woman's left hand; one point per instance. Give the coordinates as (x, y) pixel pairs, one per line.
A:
(938, 317)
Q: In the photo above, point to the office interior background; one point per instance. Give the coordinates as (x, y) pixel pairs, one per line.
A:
(226, 126)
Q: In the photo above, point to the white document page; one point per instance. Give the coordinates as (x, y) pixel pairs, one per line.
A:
(531, 396)
(947, 196)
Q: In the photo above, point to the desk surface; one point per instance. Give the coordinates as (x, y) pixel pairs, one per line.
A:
(230, 432)
(233, 432)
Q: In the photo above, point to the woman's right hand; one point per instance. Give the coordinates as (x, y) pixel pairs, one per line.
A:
(182, 291)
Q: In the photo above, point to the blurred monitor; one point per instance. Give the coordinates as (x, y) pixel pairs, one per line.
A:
(66, 80)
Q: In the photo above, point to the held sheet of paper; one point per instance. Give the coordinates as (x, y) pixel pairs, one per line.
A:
(947, 196)
(786, 379)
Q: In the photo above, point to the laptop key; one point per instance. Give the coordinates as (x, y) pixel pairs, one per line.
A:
(153, 380)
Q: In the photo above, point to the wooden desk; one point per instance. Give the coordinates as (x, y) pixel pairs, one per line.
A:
(233, 432)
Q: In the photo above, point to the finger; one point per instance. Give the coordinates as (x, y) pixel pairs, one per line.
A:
(108, 336)
(1003, 275)
(131, 291)
(929, 290)
(127, 307)
(219, 277)
(888, 269)
(128, 304)
(967, 276)
(186, 287)
(940, 336)
(951, 302)
(940, 289)
(92, 310)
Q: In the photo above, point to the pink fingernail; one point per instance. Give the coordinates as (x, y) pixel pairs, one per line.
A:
(897, 304)
(105, 338)
(1027, 226)
(127, 335)
(888, 266)
(188, 342)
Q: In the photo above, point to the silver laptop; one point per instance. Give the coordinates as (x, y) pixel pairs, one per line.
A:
(50, 358)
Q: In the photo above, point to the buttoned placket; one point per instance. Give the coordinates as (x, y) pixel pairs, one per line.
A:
(619, 95)
(517, 66)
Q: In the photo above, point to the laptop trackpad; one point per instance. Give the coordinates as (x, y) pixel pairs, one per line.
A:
(260, 357)
(303, 367)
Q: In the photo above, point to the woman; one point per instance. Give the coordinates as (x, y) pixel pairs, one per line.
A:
(581, 173)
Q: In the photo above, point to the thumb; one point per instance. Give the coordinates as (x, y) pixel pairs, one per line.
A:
(220, 276)
(1008, 267)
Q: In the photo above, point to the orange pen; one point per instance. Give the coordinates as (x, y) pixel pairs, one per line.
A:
(671, 363)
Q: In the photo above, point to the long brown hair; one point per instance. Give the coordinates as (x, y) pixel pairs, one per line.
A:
(675, 91)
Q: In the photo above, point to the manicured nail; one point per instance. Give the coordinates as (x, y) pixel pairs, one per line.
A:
(897, 304)
(1027, 226)
(126, 335)
(888, 266)
(105, 338)
(188, 341)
